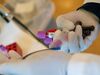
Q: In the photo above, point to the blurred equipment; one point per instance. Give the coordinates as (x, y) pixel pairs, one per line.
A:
(34, 14)
(15, 47)
(11, 47)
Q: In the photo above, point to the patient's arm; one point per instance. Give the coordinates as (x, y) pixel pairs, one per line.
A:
(84, 64)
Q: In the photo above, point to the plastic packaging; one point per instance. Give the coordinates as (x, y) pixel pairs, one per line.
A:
(35, 14)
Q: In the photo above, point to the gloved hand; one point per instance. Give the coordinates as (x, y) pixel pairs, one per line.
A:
(81, 29)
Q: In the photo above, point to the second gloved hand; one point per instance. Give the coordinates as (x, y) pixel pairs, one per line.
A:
(81, 29)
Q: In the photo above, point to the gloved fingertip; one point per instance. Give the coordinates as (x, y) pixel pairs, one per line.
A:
(78, 30)
(73, 44)
(59, 20)
(71, 35)
(62, 22)
(55, 44)
(57, 35)
(64, 47)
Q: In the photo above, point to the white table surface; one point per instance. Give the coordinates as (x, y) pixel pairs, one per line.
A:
(11, 33)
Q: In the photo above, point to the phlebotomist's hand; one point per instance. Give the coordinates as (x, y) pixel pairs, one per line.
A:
(81, 28)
